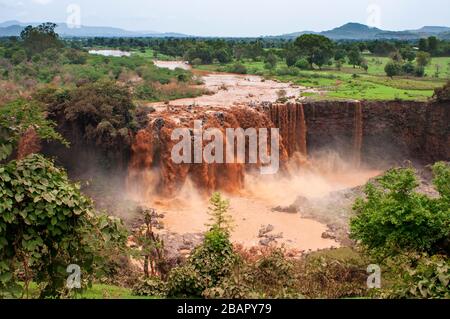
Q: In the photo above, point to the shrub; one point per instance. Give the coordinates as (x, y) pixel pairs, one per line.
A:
(186, 281)
(237, 68)
(408, 68)
(46, 224)
(394, 217)
(326, 277)
(273, 275)
(288, 71)
(211, 261)
(97, 112)
(393, 68)
(442, 94)
(302, 64)
(422, 276)
(16, 118)
(152, 286)
(419, 71)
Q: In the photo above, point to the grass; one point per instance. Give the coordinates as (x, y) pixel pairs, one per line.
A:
(97, 291)
(151, 54)
(354, 83)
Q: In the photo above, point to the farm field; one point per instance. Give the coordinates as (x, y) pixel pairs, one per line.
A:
(352, 83)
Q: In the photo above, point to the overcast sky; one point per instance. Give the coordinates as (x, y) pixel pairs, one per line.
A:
(233, 17)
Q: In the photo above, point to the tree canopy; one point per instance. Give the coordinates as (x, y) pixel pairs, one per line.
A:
(317, 48)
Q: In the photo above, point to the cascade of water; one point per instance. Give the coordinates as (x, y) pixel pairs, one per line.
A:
(358, 134)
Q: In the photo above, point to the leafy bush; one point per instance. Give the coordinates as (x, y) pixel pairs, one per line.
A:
(394, 217)
(103, 112)
(326, 277)
(152, 286)
(302, 64)
(237, 68)
(419, 71)
(422, 277)
(442, 94)
(186, 281)
(268, 275)
(19, 116)
(288, 71)
(46, 224)
(393, 68)
(211, 261)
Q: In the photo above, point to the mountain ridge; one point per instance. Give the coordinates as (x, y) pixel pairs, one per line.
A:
(348, 31)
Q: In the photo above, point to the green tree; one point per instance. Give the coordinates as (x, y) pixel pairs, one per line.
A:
(423, 59)
(395, 218)
(318, 49)
(408, 53)
(354, 57)
(340, 55)
(271, 61)
(16, 118)
(46, 224)
(291, 57)
(223, 56)
(392, 69)
(212, 261)
(40, 38)
(18, 57)
(218, 212)
(433, 43)
(423, 45)
(396, 56)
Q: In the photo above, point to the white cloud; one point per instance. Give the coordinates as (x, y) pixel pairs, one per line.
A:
(43, 2)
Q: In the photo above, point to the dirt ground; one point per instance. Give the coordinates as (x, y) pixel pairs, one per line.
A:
(233, 89)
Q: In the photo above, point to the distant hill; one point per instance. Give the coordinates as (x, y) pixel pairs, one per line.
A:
(358, 31)
(349, 31)
(13, 28)
(431, 29)
(10, 31)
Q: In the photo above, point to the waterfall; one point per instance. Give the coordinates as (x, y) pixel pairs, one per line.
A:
(357, 134)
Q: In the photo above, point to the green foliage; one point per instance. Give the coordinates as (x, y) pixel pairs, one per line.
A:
(442, 94)
(271, 61)
(273, 275)
(152, 286)
(318, 49)
(302, 64)
(354, 57)
(269, 276)
(211, 261)
(40, 38)
(46, 224)
(327, 277)
(186, 281)
(237, 68)
(393, 68)
(17, 117)
(421, 277)
(394, 217)
(423, 59)
(217, 211)
(103, 111)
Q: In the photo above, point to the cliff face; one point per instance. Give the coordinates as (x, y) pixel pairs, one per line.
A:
(374, 132)
(152, 170)
(377, 134)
